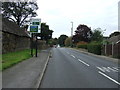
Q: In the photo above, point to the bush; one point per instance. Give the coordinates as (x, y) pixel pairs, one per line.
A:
(94, 48)
(82, 44)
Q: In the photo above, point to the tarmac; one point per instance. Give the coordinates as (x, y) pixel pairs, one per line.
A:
(27, 74)
(100, 56)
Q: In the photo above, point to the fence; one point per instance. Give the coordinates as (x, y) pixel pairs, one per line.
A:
(111, 50)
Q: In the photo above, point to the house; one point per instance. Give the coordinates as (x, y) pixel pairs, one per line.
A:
(114, 39)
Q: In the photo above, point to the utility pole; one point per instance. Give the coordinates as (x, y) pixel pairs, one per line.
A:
(72, 35)
(72, 30)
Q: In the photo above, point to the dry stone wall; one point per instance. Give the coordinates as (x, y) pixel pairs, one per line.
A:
(12, 42)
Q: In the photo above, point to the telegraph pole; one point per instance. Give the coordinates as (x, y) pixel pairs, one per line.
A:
(72, 29)
(71, 34)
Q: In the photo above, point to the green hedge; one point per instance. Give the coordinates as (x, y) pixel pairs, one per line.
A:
(94, 48)
(82, 46)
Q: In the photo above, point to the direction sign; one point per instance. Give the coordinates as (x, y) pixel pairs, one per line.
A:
(35, 26)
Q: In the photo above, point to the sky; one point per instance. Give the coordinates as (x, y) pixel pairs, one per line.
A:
(59, 14)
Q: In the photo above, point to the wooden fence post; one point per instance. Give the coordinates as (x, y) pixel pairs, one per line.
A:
(105, 49)
(112, 49)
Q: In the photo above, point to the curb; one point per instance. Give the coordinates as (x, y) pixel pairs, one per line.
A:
(104, 57)
(43, 72)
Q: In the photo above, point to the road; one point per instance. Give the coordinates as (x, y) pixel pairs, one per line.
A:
(72, 69)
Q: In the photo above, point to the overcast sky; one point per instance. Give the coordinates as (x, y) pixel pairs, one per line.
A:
(58, 14)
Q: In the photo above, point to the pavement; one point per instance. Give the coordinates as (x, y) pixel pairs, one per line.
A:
(27, 74)
(69, 68)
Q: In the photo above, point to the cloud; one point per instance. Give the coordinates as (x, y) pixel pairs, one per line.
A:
(94, 13)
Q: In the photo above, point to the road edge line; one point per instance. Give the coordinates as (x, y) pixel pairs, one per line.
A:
(42, 74)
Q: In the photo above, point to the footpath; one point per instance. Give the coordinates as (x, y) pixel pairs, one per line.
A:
(27, 74)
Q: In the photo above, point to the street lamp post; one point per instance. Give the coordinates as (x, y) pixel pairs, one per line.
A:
(72, 29)
(71, 35)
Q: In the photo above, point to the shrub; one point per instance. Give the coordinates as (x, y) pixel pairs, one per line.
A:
(82, 44)
(95, 48)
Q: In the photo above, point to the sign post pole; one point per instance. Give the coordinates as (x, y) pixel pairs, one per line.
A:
(32, 44)
(36, 46)
(34, 27)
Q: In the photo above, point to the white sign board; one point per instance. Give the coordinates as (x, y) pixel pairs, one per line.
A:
(35, 26)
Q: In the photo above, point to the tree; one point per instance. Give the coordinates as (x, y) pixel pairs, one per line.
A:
(114, 34)
(68, 41)
(19, 12)
(83, 33)
(53, 41)
(97, 35)
(61, 40)
(46, 33)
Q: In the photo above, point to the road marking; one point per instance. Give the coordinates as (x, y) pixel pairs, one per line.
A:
(73, 56)
(115, 68)
(83, 62)
(112, 69)
(109, 78)
(106, 69)
(100, 69)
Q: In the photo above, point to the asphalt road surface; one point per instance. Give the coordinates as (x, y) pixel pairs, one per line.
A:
(71, 69)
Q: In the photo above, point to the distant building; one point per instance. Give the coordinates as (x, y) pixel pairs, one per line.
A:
(114, 39)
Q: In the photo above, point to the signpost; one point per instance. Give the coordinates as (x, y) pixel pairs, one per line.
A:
(34, 28)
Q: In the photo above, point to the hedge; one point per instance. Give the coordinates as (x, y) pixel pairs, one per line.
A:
(82, 46)
(94, 48)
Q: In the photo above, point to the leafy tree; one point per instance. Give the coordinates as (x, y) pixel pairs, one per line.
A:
(61, 40)
(83, 33)
(68, 41)
(53, 41)
(46, 33)
(114, 34)
(97, 35)
(19, 12)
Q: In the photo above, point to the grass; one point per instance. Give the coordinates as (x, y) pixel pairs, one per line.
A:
(13, 58)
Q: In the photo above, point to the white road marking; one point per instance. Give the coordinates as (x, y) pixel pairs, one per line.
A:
(106, 69)
(109, 78)
(73, 56)
(100, 69)
(115, 68)
(83, 62)
(112, 69)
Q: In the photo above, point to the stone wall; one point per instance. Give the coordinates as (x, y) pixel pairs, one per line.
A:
(42, 45)
(12, 42)
(15, 38)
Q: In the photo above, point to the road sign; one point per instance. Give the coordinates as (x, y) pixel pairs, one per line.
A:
(35, 26)
(33, 29)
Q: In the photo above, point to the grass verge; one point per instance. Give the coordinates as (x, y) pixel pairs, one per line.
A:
(13, 58)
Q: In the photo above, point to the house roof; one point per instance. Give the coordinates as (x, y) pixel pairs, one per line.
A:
(11, 27)
(114, 39)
